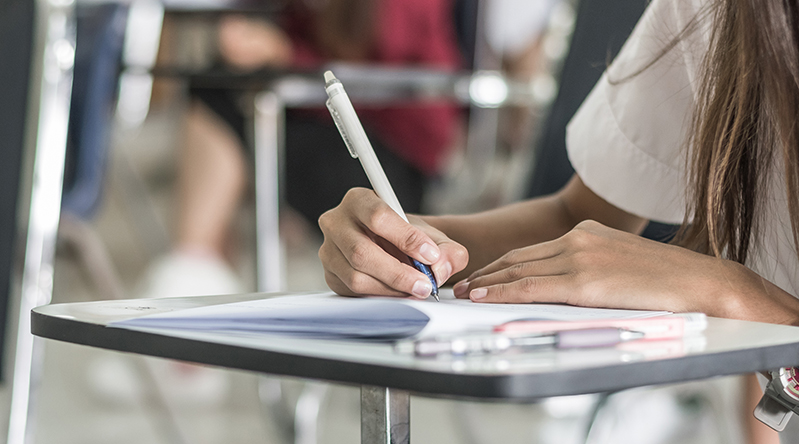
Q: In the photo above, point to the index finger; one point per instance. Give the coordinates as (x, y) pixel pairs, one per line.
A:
(381, 220)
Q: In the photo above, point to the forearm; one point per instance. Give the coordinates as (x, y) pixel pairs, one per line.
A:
(489, 235)
(731, 290)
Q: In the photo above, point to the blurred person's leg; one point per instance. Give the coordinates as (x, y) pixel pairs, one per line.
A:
(211, 182)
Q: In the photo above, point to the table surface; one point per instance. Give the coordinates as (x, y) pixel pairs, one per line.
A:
(726, 347)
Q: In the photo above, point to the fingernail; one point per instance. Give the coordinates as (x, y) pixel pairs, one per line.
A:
(443, 272)
(422, 288)
(461, 287)
(478, 293)
(429, 253)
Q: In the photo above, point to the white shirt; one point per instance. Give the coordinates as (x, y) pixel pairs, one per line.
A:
(628, 139)
(627, 142)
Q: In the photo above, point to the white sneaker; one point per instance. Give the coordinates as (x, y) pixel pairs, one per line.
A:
(183, 274)
(176, 274)
(186, 274)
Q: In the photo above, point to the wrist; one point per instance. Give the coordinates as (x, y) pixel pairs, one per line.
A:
(745, 295)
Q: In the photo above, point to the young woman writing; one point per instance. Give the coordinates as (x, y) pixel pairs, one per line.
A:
(694, 122)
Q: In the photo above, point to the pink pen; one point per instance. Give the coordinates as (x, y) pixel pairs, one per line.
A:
(494, 343)
(658, 327)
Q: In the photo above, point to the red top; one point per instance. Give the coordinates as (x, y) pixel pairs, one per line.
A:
(417, 33)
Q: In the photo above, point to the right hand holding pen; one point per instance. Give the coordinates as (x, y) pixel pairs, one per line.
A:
(366, 247)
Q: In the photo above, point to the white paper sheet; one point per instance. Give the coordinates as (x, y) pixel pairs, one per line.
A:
(456, 315)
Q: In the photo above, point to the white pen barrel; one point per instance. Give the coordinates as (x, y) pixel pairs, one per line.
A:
(362, 147)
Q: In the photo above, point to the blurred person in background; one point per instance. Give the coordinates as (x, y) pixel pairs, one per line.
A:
(412, 141)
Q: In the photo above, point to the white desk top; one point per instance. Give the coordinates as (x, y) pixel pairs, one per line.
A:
(726, 347)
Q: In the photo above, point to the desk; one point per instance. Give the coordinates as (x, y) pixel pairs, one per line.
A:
(728, 347)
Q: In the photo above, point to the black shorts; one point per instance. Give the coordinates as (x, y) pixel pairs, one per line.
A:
(319, 169)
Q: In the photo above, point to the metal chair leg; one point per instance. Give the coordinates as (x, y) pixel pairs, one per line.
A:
(306, 413)
(275, 405)
(268, 168)
(300, 428)
(45, 204)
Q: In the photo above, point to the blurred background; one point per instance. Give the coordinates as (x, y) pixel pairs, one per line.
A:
(198, 155)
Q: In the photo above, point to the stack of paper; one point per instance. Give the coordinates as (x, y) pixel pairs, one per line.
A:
(325, 315)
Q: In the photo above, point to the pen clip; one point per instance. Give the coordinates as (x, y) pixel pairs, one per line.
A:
(341, 129)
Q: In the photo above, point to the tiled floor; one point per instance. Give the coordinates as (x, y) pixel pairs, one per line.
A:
(70, 410)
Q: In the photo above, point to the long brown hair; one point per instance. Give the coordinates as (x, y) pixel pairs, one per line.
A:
(747, 113)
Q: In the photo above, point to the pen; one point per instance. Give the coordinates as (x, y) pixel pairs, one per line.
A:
(360, 148)
(657, 327)
(472, 344)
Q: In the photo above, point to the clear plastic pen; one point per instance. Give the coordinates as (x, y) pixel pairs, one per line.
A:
(472, 344)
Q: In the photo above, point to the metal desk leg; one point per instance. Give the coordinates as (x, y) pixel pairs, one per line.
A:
(269, 137)
(268, 172)
(385, 416)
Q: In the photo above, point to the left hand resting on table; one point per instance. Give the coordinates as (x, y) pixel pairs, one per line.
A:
(596, 266)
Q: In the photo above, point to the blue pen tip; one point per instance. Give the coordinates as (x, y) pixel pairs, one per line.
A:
(429, 273)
